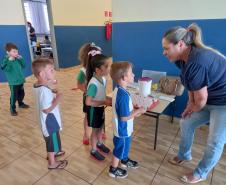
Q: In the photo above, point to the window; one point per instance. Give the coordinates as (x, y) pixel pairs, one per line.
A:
(27, 12)
(46, 16)
(35, 12)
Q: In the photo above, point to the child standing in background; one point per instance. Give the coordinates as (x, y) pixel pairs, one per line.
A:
(123, 115)
(47, 101)
(96, 99)
(12, 65)
(84, 57)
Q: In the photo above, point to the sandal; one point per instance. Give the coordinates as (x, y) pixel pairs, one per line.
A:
(191, 179)
(177, 161)
(62, 164)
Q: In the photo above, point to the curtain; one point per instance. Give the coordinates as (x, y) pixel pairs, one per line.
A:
(39, 20)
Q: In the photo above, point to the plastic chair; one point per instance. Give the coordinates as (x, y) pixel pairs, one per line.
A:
(154, 75)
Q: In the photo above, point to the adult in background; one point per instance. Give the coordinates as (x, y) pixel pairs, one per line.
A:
(33, 37)
(203, 73)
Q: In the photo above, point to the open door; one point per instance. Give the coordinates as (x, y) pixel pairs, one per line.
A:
(40, 29)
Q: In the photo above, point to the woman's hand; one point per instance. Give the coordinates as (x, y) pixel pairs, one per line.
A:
(188, 111)
(186, 114)
(197, 100)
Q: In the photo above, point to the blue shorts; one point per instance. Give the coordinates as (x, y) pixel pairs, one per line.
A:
(121, 147)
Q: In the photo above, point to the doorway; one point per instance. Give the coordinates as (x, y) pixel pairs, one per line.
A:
(40, 29)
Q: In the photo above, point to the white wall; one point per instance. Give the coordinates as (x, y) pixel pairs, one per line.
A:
(11, 12)
(157, 10)
(80, 12)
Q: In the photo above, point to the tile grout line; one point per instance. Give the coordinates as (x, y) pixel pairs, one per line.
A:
(41, 178)
(164, 158)
(76, 176)
(100, 173)
(28, 150)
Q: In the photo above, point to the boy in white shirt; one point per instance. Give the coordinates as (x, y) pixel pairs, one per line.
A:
(47, 101)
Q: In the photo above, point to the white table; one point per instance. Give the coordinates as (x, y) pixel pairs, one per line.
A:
(46, 51)
(43, 45)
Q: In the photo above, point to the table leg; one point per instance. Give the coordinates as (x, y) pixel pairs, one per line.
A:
(156, 131)
(174, 106)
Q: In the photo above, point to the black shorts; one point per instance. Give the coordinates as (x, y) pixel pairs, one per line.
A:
(95, 116)
(53, 142)
(84, 103)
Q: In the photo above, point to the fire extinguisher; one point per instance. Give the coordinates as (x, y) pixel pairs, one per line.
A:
(108, 30)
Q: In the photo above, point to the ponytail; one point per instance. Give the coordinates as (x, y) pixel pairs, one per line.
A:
(197, 38)
(83, 54)
(94, 62)
(191, 36)
(89, 70)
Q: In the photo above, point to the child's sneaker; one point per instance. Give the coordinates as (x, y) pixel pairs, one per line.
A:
(13, 113)
(117, 172)
(129, 164)
(97, 155)
(24, 106)
(103, 148)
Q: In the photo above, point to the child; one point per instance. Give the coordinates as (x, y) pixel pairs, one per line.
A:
(12, 65)
(123, 115)
(81, 82)
(96, 99)
(46, 40)
(48, 110)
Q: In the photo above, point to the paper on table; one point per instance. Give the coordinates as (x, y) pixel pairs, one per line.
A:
(141, 101)
(166, 98)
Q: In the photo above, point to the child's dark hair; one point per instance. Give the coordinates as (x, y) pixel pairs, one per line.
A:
(119, 70)
(9, 46)
(95, 62)
(83, 55)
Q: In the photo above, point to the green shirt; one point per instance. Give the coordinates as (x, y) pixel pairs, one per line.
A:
(92, 90)
(13, 70)
(81, 77)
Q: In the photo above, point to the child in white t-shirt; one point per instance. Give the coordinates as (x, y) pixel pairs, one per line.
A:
(47, 101)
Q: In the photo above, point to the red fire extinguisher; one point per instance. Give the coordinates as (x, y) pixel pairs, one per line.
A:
(108, 30)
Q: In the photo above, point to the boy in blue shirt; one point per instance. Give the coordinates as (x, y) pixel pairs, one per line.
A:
(123, 115)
